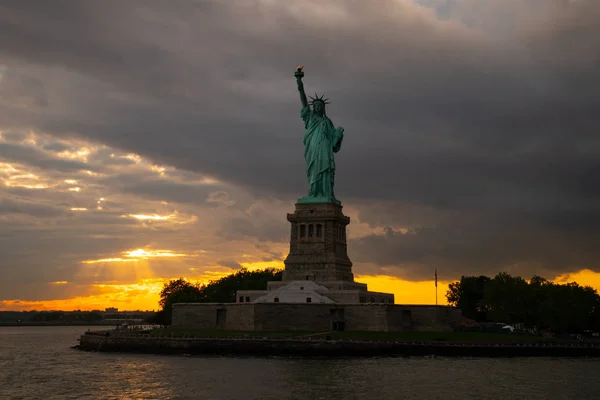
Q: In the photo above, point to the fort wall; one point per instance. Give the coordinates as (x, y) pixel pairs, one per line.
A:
(314, 317)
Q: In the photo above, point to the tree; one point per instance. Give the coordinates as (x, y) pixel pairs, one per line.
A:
(467, 295)
(220, 291)
(224, 289)
(538, 303)
(507, 299)
(176, 291)
(570, 308)
(179, 291)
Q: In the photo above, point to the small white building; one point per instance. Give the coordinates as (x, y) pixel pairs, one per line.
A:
(297, 292)
(308, 291)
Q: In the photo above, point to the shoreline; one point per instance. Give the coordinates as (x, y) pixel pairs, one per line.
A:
(325, 348)
(10, 324)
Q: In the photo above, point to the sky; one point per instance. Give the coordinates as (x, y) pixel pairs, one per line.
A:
(142, 141)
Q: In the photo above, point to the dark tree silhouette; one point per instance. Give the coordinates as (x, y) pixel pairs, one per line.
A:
(223, 290)
(538, 303)
(467, 294)
(220, 291)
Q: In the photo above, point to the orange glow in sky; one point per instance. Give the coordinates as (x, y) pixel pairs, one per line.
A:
(132, 279)
(144, 295)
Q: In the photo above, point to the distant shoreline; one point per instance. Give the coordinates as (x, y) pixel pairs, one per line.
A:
(325, 348)
(55, 324)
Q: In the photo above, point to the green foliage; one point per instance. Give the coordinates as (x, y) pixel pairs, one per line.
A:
(537, 303)
(223, 290)
(506, 299)
(179, 291)
(467, 295)
(175, 291)
(220, 291)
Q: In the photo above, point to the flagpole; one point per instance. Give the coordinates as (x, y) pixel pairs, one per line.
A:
(436, 301)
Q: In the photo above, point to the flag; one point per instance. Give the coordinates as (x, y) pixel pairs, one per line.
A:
(436, 277)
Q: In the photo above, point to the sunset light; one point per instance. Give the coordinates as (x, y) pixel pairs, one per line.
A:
(17, 177)
(138, 255)
(154, 217)
(113, 182)
(24, 185)
(300, 199)
(79, 154)
(145, 254)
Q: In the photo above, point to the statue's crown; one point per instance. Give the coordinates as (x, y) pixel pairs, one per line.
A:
(318, 98)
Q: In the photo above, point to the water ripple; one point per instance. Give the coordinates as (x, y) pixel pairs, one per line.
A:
(37, 363)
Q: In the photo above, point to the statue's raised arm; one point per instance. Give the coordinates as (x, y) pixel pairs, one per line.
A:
(299, 75)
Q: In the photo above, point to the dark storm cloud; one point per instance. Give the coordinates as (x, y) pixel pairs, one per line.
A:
(433, 99)
(496, 131)
(476, 242)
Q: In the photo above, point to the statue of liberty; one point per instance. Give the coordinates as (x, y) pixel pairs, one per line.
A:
(321, 140)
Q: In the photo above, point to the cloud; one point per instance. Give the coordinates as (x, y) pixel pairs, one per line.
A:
(471, 132)
(110, 231)
(37, 158)
(475, 243)
(263, 220)
(9, 206)
(21, 90)
(162, 189)
(464, 116)
(231, 264)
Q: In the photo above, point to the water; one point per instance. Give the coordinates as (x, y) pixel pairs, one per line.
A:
(37, 363)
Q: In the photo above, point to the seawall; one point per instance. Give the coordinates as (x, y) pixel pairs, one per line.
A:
(326, 348)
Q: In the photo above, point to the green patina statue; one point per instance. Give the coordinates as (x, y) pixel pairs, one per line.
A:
(321, 140)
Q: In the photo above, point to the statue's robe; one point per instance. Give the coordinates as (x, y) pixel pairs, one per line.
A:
(321, 140)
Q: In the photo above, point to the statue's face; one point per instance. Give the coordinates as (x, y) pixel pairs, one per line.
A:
(318, 107)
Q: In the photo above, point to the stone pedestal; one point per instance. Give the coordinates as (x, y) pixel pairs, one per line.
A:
(318, 250)
(318, 254)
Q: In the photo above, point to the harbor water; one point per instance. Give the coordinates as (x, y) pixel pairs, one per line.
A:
(38, 363)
